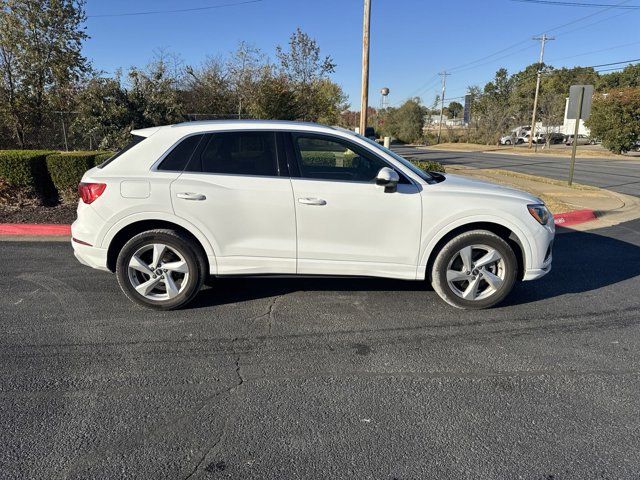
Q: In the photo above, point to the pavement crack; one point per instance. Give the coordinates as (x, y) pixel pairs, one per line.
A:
(208, 450)
(271, 313)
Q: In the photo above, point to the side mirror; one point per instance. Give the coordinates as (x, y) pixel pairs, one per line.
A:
(388, 178)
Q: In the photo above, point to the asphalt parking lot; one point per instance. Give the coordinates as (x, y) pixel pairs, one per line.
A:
(323, 378)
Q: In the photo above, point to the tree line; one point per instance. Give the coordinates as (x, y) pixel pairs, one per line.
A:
(505, 103)
(52, 97)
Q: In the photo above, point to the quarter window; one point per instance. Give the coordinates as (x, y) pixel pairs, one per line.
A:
(179, 157)
(332, 159)
(238, 153)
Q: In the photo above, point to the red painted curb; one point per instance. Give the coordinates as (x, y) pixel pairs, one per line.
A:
(560, 219)
(35, 229)
(573, 218)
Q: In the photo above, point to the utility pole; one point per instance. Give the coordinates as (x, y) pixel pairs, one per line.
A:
(543, 39)
(444, 88)
(364, 99)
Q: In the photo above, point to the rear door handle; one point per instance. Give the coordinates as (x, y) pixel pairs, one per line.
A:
(312, 201)
(191, 196)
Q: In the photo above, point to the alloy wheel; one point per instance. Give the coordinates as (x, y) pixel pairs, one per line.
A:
(158, 272)
(476, 272)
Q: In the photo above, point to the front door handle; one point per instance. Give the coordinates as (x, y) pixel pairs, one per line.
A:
(191, 196)
(312, 201)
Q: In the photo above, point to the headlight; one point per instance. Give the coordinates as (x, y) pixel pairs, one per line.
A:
(540, 212)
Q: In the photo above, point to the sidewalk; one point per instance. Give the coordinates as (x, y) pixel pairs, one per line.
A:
(610, 208)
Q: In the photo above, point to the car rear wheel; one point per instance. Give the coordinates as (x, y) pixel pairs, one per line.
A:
(160, 269)
(507, 142)
(474, 270)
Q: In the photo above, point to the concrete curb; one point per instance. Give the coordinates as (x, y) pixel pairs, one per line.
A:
(35, 229)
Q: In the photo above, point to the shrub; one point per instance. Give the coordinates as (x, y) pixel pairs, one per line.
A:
(67, 169)
(615, 118)
(27, 169)
(429, 166)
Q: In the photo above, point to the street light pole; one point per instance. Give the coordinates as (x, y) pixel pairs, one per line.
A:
(364, 99)
(543, 39)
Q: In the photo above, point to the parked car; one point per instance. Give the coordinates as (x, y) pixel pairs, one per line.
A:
(525, 139)
(582, 140)
(556, 138)
(184, 202)
(507, 140)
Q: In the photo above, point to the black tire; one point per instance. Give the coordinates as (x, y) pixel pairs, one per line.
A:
(179, 243)
(451, 249)
(507, 142)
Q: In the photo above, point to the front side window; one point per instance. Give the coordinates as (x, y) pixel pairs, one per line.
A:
(333, 159)
(238, 153)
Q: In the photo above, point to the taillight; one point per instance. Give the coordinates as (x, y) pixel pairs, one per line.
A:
(90, 191)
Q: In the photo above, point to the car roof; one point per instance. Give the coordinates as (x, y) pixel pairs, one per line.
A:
(213, 125)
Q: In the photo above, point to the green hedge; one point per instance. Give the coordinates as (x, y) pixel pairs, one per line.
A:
(101, 157)
(67, 169)
(25, 168)
(429, 166)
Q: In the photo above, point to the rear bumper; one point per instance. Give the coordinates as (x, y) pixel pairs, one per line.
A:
(90, 256)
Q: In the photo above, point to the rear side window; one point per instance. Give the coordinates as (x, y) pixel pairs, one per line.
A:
(238, 153)
(178, 158)
(135, 139)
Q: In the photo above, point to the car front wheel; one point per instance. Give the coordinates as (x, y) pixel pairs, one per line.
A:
(474, 270)
(160, 269)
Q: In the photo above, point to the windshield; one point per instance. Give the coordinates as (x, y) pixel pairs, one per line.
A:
(427, 177)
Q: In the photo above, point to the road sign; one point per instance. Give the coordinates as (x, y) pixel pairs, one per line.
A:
(578, 109)
(466, 116)
(575, 92)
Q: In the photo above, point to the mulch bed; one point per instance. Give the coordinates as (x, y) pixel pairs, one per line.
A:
(64, 214)
(20, 206)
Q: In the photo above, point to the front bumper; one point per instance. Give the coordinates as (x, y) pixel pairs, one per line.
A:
(543, 253)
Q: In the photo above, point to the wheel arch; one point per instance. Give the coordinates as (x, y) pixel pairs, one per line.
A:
(515, 240)
(118, 235)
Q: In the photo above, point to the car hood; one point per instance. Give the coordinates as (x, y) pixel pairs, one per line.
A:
(469, 186)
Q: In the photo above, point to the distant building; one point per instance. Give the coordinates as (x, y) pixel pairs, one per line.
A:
(448, 122)
(569, 125)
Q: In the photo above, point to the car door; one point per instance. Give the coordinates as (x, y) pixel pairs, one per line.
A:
(346, 224)
(232, 190)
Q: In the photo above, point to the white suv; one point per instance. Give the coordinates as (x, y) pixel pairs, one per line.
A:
(186, 202)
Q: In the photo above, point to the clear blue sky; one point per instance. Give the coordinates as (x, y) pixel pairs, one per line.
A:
(411, 40)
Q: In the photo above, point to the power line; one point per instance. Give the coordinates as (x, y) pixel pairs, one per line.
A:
(182, 10)
(553, 29)
(614, 63)
(594, 51)
(615, 68)
(476, 63)
(579, 4)
(520, 50)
